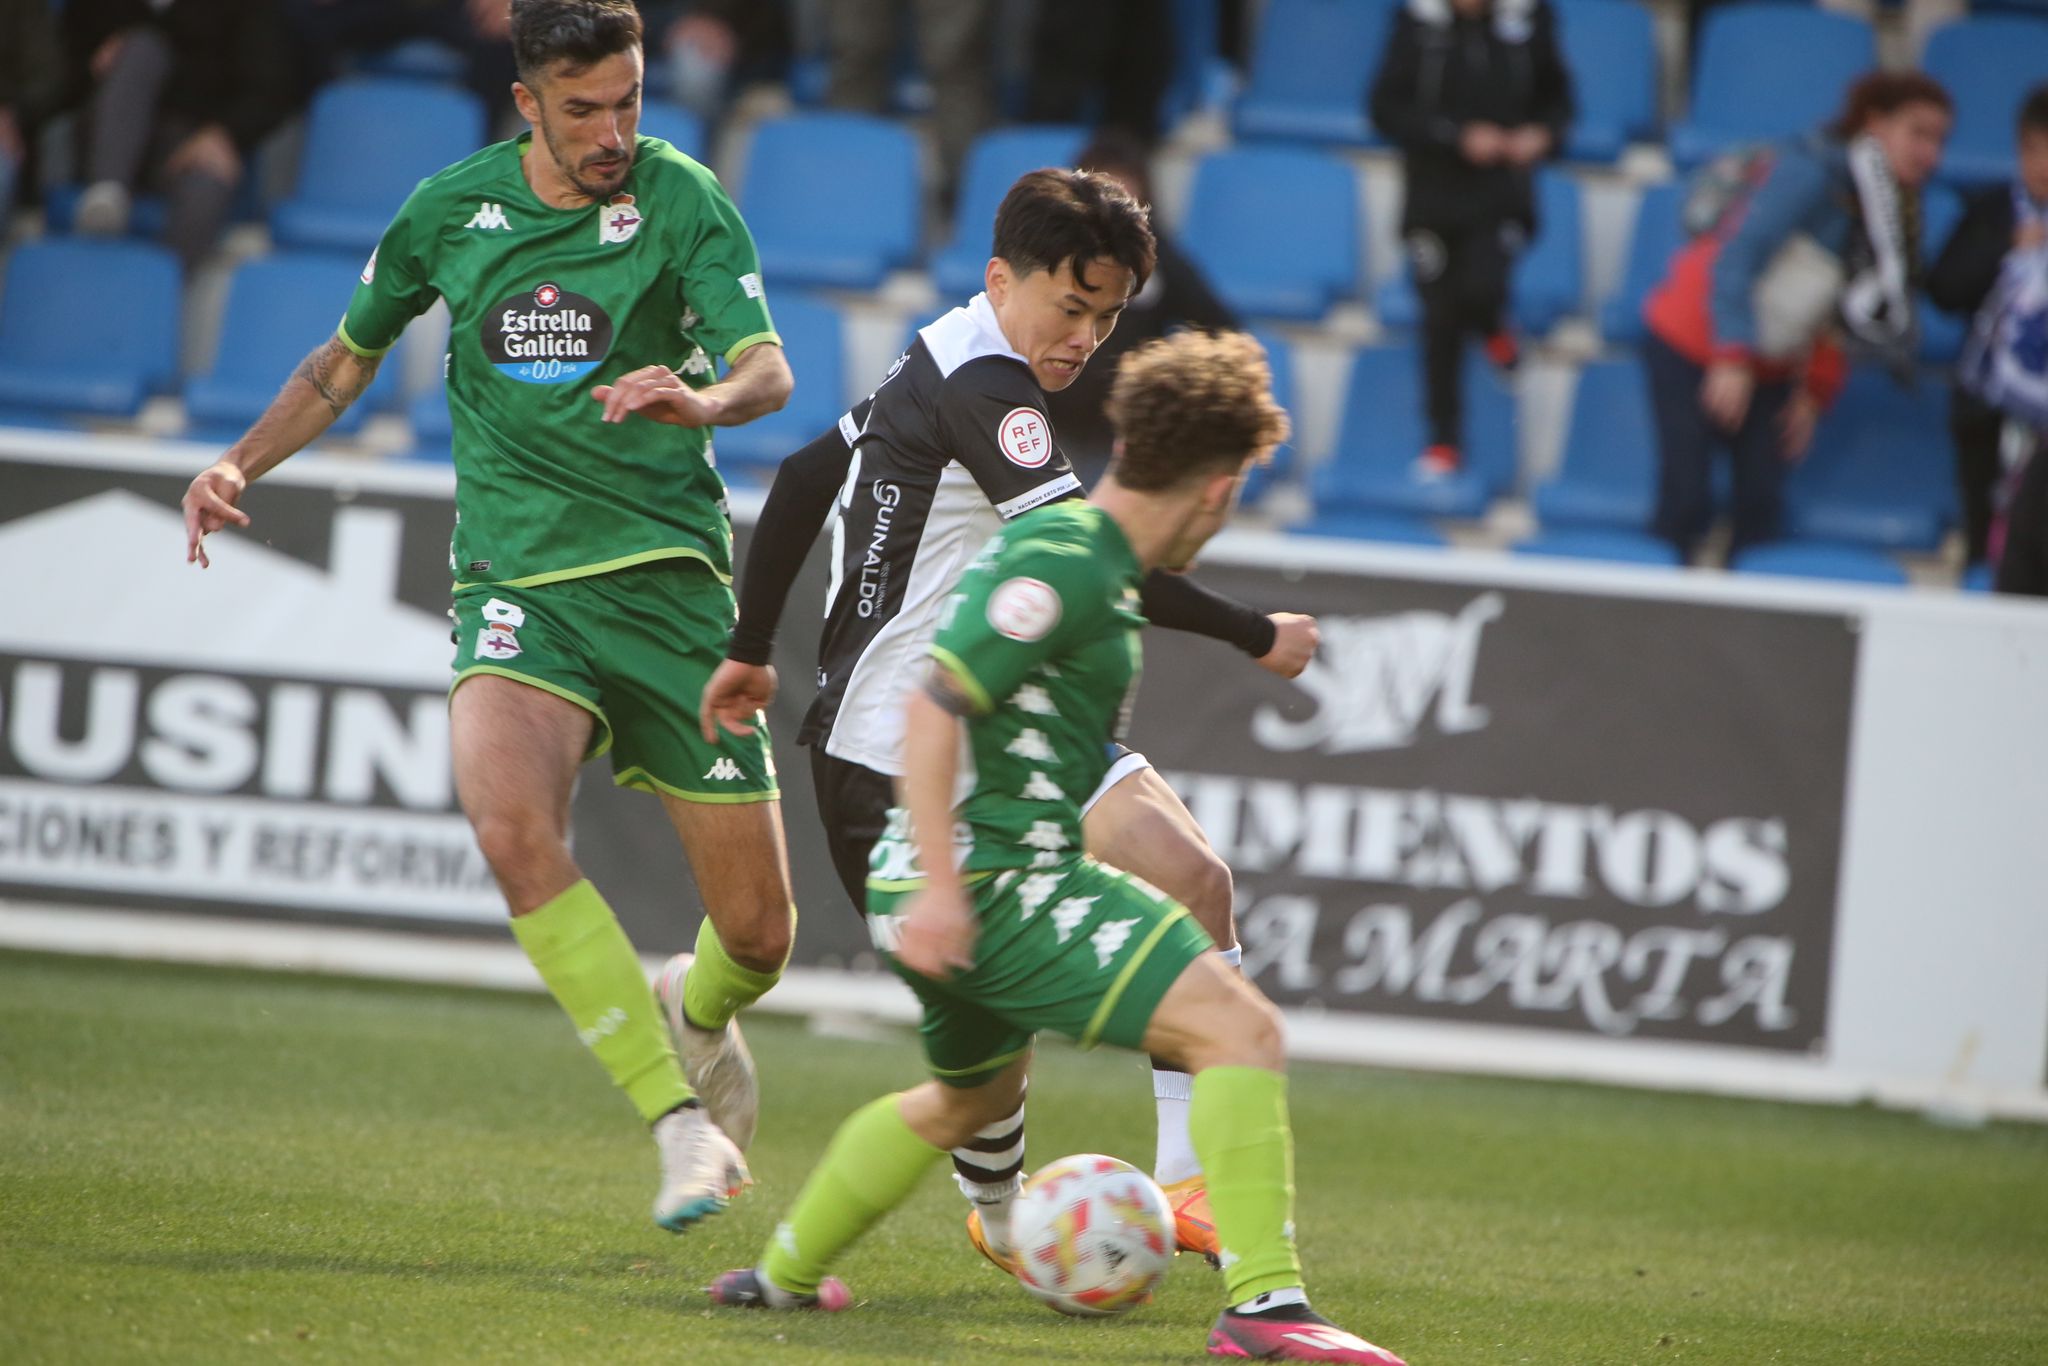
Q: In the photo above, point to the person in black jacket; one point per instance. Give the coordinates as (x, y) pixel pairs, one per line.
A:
(1474, 93)
(1961, 280)
(1174, 296)
(180, 94)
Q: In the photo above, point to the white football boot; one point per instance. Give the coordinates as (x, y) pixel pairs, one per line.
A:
(701, 1169)
(715, 1061)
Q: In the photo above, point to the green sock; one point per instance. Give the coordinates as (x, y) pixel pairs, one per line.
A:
(873, 1164)
(1238, 1121)
(718, 988)
(581, 953)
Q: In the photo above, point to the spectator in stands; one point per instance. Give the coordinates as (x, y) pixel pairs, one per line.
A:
(955, 44)
(177, 95)
(710, 46)
(1108, 61)
(1794, 240)
(479, 32)
(30, 82)
(1994, 269)
(1175, 296)
(1475, 93)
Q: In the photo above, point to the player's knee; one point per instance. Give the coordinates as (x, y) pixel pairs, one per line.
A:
(515, 841)
(761, 944)
(1251, 1034)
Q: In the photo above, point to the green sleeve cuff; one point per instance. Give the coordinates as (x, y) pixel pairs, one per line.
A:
(732, 353)
(366, 352)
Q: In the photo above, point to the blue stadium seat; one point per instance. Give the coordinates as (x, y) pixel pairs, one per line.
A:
(1979, 578)
(1941, 333)
(1611, 48)
(1614, 547)
(1275, 230)
(1880, 472)
(993, 165)
(1820, 560)
(279, 307)
(1608, 477)
(1658, 232)
(1312, 67)
(812, 336)
(1372, 468)
(416, 59)
(1280, 357)
(1366, 526)
(1987, 64)
(1548, 281)
(368, 142)
(433, 429)
(674, 125)
(1768, 71)
(832, 199)
(1198, 68)
(88, 326)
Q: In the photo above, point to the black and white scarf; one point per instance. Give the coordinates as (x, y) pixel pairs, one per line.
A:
(1877, 300)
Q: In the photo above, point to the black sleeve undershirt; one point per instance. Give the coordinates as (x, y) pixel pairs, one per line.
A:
(806, 485)
(1178, 603)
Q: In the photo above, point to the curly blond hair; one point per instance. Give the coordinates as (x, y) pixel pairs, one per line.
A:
(1191, 404)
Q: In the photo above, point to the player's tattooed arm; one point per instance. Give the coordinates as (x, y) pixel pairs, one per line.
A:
(338, 375)
(944, 687)
(318, 392)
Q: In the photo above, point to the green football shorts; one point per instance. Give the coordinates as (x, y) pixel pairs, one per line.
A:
(1081, 949)
(634, 648)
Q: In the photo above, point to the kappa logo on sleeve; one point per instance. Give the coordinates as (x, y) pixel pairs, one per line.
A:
(1024, 609)
(750, 285)
(1026, 437)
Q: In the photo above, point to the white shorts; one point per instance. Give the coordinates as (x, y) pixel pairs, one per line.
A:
(1127, 762)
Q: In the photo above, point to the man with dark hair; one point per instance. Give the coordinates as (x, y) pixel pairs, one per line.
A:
(592, 550)
(1981, 274)
(988, 909)
(1474, 93)
(953, 445)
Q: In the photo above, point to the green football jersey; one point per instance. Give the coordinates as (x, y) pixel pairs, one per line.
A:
(544, 303)
(1043, 632)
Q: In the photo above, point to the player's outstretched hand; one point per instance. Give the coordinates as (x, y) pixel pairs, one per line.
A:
(734, 698)
(1295, 638)
(657, 392)
(938, 933)
(210, 505)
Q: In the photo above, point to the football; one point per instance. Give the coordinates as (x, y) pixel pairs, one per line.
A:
(1093, 1235)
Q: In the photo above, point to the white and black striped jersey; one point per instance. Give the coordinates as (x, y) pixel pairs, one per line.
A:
(954, 443)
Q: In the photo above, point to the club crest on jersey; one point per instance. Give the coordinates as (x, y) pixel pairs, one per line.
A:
(1024, 609)
(1026, 437)
(545, 335)
(619, 221)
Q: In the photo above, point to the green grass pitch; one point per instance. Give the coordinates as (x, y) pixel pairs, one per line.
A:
(217, 1167)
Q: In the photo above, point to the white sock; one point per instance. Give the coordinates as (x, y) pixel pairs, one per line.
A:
(1176, 1160)
(1272, 1299)
(1171, 1093)
(993, 1201)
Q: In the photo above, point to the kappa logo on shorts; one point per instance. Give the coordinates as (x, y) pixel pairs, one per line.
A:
(725, 771)
(1025, 437)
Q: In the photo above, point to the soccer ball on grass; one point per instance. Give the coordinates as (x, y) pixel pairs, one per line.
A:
(1093, 1235)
